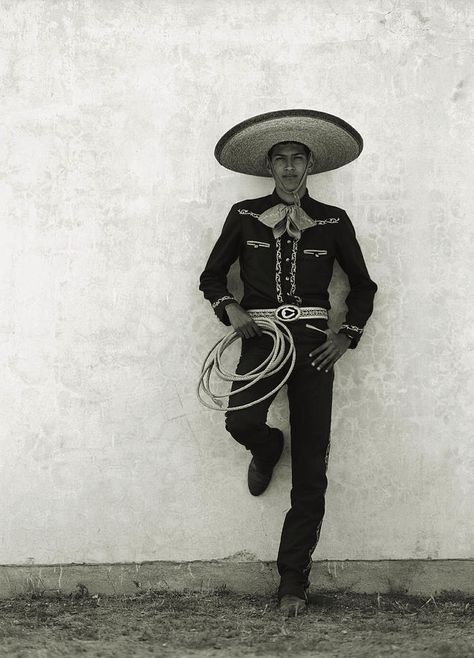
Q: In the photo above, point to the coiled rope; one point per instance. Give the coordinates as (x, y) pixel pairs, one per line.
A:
(274, 362)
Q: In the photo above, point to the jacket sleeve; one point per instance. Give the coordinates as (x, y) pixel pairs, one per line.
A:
(360, 299)
(213, 280)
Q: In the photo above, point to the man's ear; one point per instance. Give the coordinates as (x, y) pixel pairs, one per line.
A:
(311, 162)
(268, 165)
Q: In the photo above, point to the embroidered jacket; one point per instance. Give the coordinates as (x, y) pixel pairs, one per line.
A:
(285, 270)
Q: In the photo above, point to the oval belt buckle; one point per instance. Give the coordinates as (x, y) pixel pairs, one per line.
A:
(288, 312)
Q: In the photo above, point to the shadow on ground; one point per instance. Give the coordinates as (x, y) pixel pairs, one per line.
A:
(221, 623)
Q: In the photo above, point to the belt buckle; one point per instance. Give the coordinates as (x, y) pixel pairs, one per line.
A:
(288, 312)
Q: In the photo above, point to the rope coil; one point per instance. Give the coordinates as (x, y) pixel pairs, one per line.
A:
(274, 362)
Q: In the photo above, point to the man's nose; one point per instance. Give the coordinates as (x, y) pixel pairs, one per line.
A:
(289, 166)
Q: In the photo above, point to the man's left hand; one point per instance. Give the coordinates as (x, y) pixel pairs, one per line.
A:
(329, 352)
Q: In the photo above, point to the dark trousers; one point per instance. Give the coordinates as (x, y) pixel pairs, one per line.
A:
(310, 401)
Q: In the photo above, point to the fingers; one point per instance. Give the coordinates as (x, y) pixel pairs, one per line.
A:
(319, 350)
(326, 356)
(257, 329)
(322, 350)
(249, 330)
(324, 346)
(253, 330)
(325, 360)
(327, 363)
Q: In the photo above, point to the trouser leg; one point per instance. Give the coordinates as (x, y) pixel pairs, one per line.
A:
(310, 403)
(248, 426)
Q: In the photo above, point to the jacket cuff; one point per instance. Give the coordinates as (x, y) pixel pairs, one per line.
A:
(353, 332)
(219, 308)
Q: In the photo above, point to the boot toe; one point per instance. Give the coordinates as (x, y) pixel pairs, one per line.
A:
(292, 606)
(257, 481)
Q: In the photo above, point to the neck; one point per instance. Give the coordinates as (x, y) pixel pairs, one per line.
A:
(287, 196)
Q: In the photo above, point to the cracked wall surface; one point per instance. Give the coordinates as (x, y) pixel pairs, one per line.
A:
(111, 201)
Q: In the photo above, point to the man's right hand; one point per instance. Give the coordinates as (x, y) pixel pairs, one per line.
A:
(243, 324)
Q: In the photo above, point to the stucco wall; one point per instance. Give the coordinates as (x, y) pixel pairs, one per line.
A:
(110, 203)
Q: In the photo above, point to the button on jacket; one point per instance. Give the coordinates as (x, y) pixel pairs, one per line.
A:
(286, 270)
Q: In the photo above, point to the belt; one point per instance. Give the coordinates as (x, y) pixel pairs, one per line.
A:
(289, 312)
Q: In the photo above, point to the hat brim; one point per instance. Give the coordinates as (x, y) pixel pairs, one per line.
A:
(333, 141)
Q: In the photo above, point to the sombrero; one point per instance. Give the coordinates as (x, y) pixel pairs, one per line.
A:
(333, 141)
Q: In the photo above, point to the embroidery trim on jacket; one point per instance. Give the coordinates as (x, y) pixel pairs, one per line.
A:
(278, 271)
(293, 272)
(352, 327)
(318, 222)
(331, 220)
(244, 211)
(221, 299)
(257, 243)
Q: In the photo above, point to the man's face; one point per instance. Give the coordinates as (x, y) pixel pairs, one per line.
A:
(289, 164)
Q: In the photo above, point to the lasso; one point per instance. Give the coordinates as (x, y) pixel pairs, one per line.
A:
(274, 362)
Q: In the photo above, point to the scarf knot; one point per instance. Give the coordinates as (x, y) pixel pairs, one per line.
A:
(281, 218)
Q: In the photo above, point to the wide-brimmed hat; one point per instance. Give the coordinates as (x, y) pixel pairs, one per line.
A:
(333, 141)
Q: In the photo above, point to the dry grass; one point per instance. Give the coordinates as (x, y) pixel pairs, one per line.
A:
(46, 624)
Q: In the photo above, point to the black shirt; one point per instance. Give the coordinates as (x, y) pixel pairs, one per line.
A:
(285, 270)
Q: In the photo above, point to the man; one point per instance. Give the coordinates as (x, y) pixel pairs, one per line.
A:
(286, 243)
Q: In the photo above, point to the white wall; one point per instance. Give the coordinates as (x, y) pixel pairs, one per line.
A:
(110, 203)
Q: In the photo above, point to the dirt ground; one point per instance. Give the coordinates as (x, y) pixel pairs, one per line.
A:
(49, 624)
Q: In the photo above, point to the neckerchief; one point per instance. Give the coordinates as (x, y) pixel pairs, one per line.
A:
(290, 218)
(281, 218)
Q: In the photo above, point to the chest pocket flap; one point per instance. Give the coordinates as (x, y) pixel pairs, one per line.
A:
(315, 253)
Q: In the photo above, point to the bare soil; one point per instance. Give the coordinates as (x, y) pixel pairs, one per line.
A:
(154, 623)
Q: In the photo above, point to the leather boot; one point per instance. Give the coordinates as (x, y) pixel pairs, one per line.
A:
(260, 472)
(292, 606)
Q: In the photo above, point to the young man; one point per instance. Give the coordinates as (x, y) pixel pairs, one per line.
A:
(286, 243)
